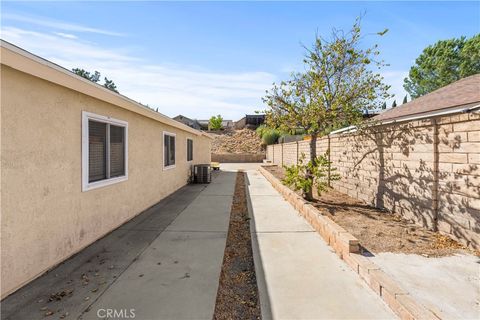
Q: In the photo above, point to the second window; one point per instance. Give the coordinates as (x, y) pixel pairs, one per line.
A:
(189, 149)
(168, 149)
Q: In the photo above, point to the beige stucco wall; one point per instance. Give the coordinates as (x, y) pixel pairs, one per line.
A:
(423, 170)
(45, 216)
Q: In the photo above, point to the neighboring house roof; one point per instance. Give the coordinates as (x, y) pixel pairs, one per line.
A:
(184, 119)
(181, 117)
(463, 92)
(256, 116)
(24, 61)
(225, 123)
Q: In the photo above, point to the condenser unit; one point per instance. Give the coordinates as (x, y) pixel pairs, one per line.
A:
(202, 173)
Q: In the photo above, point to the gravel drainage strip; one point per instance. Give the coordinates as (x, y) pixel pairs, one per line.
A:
(237, 295)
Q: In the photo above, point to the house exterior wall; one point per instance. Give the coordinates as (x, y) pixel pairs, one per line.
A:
(45, 216)
(426, 170)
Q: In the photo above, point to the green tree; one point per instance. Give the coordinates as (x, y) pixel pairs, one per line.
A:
(95, 77)
(384, 106)
(215, 122)
(405, 99)
(337, 86)
(109, 84)
(443, 63)
(394, 103)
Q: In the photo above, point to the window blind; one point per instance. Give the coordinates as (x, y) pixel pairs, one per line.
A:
(169, 147)
(189, 149)
(166, 143)
(172, 150)
(97, 162)
(117, 151)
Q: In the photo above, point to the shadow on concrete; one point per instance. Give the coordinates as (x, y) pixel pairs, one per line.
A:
(69, 289)
(264, 297)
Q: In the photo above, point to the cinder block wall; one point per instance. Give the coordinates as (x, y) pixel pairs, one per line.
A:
(428, 170)
(237, 157)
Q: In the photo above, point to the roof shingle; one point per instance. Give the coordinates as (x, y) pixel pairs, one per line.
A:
(462, 92)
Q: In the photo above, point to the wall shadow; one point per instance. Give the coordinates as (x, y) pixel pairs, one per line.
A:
(265, 305)
(412, 181)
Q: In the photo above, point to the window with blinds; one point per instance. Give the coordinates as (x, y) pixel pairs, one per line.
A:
(189, 149)
(97, 151)
(117, 151)
(106, 151)
(169, 149)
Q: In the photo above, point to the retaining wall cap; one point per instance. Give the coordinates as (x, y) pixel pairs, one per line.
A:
(387, 282)
(417, 311)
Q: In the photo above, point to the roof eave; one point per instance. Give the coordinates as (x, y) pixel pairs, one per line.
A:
(26, 62)
(466, 108)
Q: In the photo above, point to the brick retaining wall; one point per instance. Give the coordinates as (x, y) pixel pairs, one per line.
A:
(425, 170)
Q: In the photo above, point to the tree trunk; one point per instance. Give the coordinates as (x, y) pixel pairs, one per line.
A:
(329, 163)
(313, 155)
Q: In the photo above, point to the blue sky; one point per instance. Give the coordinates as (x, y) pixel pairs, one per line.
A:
(206, 58)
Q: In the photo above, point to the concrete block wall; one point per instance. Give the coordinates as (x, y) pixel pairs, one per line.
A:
(459, 176)
(269, 153)
(290, 155)
(426, 170)
(277, 154)
(237, 157)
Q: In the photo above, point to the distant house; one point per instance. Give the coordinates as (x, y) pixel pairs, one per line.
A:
(192, 123)
(251, 121)
(202, 124)
(226, 124)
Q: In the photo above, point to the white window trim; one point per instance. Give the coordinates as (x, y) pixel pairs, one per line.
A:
(171, 134)
(86, 186)
(186, 154)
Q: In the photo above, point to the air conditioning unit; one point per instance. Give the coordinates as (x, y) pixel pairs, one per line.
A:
(202, 173)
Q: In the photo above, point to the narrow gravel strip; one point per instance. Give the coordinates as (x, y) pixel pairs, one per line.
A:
(237, 296)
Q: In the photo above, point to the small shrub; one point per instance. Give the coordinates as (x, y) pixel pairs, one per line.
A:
(270, 136)
(306, 175)
(261, 130)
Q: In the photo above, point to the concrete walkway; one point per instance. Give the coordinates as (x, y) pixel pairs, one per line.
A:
(163, 264)
(299, 276)
(166, 262)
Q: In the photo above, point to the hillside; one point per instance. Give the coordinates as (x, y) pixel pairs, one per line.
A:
(237, 141)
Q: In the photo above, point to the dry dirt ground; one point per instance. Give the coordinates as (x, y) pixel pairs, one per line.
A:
(237, 141)
(237, 295)
(381, 231)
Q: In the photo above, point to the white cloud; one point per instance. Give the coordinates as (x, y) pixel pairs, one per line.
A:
(66, 35)
(59, 25)
(193, 92)
(174, 89)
